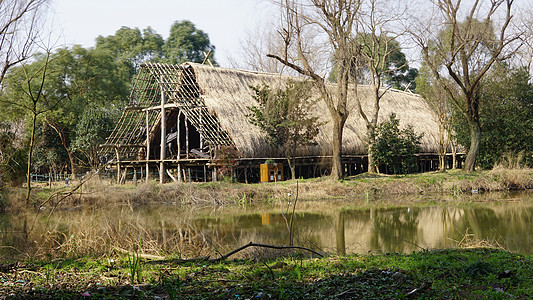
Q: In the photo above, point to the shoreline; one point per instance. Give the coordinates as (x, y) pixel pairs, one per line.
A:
(360, 189)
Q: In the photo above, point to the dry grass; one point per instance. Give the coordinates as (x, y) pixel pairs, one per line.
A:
(97, 232)
(469, 241)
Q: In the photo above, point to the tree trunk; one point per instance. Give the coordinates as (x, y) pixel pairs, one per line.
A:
(64, 141)
(442, 162)
(372, 166)
(336, 163)
(30, 159)
(292, 167)
(475, 140)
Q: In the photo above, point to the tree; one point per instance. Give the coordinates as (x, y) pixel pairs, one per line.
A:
(92, 129)
(19, 27)
(283, 114)
(187, 43)
(506, 116)
(11, 155)
(305, 24)
(87, 78)
(464, 52)
(439, 101)
(377, 48)
(25, 91)
(395, 148)
(132, 47)
(75, 79)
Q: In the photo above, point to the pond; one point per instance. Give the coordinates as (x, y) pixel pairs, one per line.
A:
(502, 220)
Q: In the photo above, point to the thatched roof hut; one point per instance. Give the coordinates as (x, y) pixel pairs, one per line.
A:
(216, 100)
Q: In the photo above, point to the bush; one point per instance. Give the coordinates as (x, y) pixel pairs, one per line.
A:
(395, 148)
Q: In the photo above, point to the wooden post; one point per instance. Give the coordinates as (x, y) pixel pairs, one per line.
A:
(179, 134)
(201, 135)
(118, 165)
(186, 138)
(163, 135)
(179, 144)
(147, 149)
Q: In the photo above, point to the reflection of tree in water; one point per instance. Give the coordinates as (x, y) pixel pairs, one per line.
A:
(267, 228)
(394, 229)
(502, 226)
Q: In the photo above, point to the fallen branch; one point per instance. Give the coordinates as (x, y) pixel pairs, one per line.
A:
(264, 246)
(141, 255)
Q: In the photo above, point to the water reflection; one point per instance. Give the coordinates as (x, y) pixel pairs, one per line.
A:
(336, 228)
(507, 224)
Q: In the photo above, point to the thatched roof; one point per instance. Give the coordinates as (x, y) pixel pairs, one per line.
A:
(216, 101)
(227, 94)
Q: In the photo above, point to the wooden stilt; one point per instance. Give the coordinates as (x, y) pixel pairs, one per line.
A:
(147, 148)
(163, 136)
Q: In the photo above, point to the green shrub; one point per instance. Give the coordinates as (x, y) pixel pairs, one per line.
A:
(395, 148)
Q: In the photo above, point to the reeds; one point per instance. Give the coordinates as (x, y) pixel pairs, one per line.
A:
(104, 232)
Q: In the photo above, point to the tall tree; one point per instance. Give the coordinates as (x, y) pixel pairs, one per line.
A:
(87, 78)
(506, 117)
(24, 90)
(187, 43)
(378, 46)
(132, 47)
(304, 24)
(464, 51)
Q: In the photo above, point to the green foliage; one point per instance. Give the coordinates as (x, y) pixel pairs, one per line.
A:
(395, 148)
(186, 43)
(94, 127)
(283, 114)
(506, 117)
(12, 160)
(135, 267)
(131, 47)
(76, 79)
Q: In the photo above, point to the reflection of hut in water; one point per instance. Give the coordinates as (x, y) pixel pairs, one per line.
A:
(182, 119)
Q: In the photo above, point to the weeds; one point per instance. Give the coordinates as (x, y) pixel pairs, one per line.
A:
(135, 267)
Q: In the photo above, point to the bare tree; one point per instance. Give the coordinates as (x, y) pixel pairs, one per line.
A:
(461, 44)
(377, 43)
(254, 48)
(525, 55)
(19, 28)
(438, 100)
(306, 27)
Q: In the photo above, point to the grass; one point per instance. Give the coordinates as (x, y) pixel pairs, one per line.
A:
(440, 274)
(361, 188)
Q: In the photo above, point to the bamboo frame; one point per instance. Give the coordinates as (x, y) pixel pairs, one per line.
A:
(159, 88)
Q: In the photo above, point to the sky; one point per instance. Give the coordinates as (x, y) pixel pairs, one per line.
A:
(227, 22)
